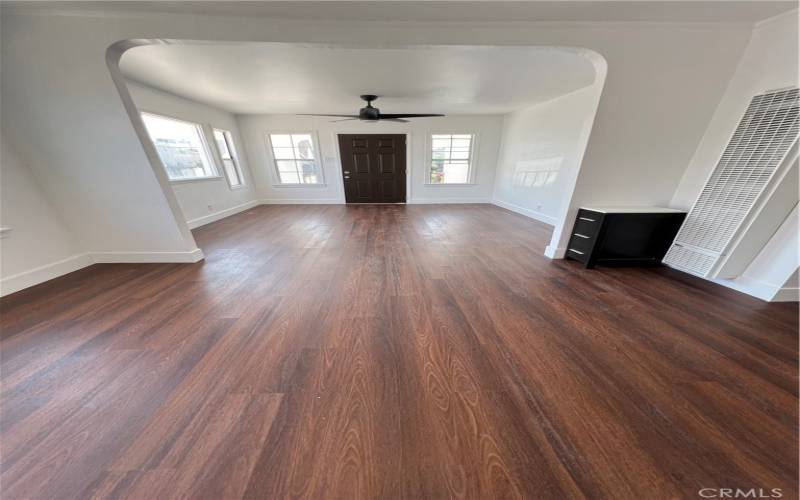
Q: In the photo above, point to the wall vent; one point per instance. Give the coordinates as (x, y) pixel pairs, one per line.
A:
(757, 148)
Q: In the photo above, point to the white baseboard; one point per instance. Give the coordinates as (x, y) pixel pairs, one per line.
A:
(44, 273)
(330, 201)
(208, 219)
(787, 294)
(445, 201)
(527, 212)
(192, 256)
(51, 271)
(555, 252)
(765, 291)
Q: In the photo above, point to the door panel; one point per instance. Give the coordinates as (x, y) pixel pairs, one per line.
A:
(374, 167)
(387, 163)
(361, 162)
(363, 190)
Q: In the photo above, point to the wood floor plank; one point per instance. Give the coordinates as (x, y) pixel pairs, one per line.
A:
(392, 352)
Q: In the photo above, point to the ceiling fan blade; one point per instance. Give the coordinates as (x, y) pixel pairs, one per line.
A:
(393, 120)
(317, 114)
(406, 115)
(343, 120)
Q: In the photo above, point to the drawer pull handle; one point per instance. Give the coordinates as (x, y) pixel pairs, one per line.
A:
(579, 235)
(577, 252)
(587, 219)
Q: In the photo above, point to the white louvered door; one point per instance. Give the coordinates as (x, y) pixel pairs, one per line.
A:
(757, 148)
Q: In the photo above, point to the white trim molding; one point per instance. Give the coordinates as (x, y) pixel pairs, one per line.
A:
(446, 201)
(47, 272)
(768, 292)
(189, 257)
(533, 214)
(208, 219)
(324, 201)
(552, 252)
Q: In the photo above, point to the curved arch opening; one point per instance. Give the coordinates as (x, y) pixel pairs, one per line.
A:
(539, 170)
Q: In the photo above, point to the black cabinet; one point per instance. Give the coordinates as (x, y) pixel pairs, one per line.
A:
(623, 235)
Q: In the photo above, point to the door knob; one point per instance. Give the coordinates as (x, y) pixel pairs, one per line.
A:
(346, 171)
(346, 176)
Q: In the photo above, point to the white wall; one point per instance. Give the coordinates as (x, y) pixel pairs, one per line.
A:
(638, 158)
(38, 246)
(541, 152)
(772, 275)
(64, 118)
(769, 62)
(255, 128)
(195, 196)
(74, 130)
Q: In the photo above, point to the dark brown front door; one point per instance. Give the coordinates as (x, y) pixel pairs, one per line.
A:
(373, 167)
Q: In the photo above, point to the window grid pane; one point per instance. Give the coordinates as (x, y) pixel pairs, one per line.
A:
(450, 158)
(239, 180)
(180, 146)
(226, 150)
(295, 158)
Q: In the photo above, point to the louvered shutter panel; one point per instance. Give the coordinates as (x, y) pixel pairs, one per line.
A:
(765, 134)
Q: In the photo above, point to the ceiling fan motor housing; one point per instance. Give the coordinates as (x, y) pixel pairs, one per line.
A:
(372, 114)
(368, 112)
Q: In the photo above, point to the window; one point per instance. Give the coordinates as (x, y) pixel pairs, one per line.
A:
(295, 158)
(227, 153)
(451, 158)
(181, 147)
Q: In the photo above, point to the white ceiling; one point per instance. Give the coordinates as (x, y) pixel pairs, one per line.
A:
(530, 11)
(284, 78)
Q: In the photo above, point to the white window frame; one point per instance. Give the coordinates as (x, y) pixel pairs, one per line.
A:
(228, 137)
(473, 154)
(203, 142)
(276, 173)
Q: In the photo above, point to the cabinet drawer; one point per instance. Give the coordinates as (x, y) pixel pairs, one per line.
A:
(581, 242)
(580, 255)
(587, 223)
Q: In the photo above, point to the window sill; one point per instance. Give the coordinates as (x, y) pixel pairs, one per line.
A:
(240, 186)
(450, 184)
(317, 185)
(198, 179)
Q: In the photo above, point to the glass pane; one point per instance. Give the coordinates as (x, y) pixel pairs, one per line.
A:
(309, 172)
(289, 178)
(462, 143)
(456, 172)
(219, 137)
(231, 172)
(281, 140)
(459, 155)
(440, 144)
(303, 146)
(287, 166)
(437, 172)
(461, 136)
(180, 146)
(283, 153)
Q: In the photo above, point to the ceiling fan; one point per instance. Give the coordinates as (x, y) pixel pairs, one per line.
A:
(371, 114)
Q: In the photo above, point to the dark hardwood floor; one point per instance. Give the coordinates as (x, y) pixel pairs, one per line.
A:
(392, 352)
